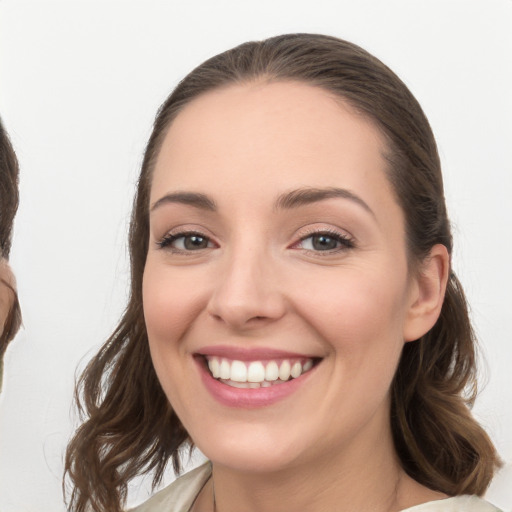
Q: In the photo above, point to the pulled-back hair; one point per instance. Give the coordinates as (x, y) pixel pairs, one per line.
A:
(130, 426)
(9, 199)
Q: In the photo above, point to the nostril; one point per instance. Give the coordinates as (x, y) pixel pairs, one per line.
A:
(231, 316)
(245, 308)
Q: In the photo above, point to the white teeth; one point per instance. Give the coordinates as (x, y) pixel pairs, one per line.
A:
(256, 374)
(214, 366)
(238, 371)
(235, 384)
(251, 385)
(284, 370)
(225, 370)
(296, 370)
(307, 365)
(272, 371)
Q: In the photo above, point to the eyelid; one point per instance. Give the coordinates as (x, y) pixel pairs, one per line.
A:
(346, 240)
(181, 232)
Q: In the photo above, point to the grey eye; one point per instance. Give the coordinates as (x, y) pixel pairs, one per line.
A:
(324, 242)
(191, 242)
(320, 242)
(186, 242)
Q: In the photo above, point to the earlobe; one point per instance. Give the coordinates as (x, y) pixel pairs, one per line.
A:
(427, 294)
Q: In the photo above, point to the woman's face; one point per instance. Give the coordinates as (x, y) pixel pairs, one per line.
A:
(276, 246)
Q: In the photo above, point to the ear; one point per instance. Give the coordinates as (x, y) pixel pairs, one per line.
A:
(426, 299)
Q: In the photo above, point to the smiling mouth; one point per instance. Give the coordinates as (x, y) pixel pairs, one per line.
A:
(257, 374)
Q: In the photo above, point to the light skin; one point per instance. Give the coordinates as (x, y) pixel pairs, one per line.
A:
(326, 276)
(6, 294)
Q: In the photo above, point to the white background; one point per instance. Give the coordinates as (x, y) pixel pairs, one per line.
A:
(80, 84)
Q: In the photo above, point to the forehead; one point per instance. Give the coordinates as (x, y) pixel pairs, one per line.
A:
(281, 133)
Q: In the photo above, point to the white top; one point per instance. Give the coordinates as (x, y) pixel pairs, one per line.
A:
(180, 495)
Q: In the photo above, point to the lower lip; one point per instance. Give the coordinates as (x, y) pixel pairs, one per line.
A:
(247, 397)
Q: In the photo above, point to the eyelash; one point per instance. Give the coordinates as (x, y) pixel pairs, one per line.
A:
(168, 239)
(343, 241)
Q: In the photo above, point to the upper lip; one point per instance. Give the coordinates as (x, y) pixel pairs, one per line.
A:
(251, 353)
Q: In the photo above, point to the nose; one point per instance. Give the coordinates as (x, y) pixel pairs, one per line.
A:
(247, 291)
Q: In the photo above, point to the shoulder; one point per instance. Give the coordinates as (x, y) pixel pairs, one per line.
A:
(178, 496)
(455, 504)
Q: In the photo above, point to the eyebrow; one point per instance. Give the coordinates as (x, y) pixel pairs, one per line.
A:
(289, 200)
(195, 199)
(305, 196)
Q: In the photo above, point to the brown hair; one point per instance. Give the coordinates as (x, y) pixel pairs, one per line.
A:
(131, 427)
(9, 199)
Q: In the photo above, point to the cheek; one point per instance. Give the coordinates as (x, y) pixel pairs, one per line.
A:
(171, 303)
(359, 319)
(356, 311)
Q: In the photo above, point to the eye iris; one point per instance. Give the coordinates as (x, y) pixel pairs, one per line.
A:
(192, 242)
(324, 243)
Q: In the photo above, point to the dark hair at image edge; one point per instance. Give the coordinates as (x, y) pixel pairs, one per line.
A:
(9, 199)
(130, 428)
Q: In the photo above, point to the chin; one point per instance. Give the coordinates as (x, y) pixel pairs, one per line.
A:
(252, 451)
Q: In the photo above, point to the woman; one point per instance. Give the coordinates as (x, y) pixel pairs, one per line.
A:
(293, 312)
(10, 314)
